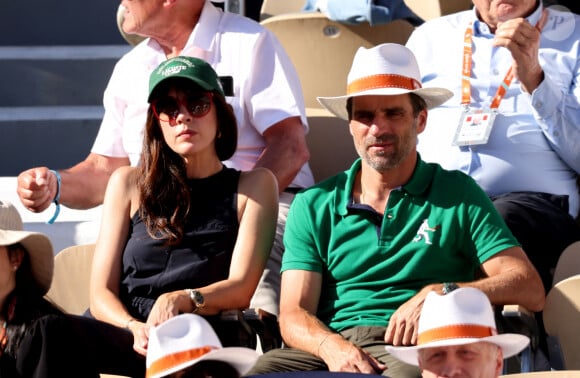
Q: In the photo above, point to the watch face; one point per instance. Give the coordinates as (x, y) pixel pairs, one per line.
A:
(448, 287)
(198, 298)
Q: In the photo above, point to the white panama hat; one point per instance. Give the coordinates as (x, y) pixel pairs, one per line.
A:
(464, 316)
(38, 246)
(386, 69)
(187, 339)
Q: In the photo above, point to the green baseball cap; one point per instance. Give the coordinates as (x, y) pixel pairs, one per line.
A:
(194, 69)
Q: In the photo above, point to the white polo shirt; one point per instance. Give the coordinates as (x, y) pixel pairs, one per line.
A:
(266, 87)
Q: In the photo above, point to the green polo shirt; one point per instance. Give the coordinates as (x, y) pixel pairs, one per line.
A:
(439, 227)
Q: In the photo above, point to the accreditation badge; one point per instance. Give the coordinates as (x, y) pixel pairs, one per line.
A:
(474, 127)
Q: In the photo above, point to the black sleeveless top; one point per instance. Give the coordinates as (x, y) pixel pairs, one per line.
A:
(151, 268)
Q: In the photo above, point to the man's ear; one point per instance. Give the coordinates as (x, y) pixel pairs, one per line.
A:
(421, 121)
(499, 366)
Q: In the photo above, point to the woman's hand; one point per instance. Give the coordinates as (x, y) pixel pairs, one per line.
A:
(168, 305)
(140, 333)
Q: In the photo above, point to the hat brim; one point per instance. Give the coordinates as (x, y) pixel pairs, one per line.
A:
(40, 253)
(510, 344)
(432, 96)
(200, 83)
(242, 359)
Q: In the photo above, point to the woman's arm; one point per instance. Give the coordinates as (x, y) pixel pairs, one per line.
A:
(105, 304)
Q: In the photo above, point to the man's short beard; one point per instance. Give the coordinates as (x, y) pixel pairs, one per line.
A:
(381, 163)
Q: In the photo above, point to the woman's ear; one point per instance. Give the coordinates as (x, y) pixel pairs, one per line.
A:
(16, 256)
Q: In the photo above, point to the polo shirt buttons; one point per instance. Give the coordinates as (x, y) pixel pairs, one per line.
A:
(389, 216)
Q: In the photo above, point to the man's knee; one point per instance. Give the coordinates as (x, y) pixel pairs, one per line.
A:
(286, 360)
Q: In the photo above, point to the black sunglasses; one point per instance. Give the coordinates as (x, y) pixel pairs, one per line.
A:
(167, 108)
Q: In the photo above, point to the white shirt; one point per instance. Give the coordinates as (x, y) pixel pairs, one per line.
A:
(266, 87)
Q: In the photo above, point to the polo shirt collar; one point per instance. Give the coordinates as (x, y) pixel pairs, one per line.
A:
(418, 183)
(206, 29)
(480, 28)
(199, 42)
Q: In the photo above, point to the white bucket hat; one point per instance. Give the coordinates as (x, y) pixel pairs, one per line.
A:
(187, 339)
(38, 245)
(464, 316)
(386, 69)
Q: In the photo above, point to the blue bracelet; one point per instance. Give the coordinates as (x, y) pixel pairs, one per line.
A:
(56, 197)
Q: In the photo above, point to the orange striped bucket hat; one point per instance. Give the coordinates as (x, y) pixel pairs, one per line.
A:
(463, 316)
(385, 69)
(186, 340)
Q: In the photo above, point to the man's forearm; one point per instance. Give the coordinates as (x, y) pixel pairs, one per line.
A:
(83, 186)
(302, 330)
(285, 152)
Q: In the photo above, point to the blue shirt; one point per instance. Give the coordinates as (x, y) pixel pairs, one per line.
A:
(535, 142)
(357, 11)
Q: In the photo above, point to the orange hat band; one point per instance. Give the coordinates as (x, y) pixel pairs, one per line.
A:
(455, 332)
(171, 360)
(382, 81)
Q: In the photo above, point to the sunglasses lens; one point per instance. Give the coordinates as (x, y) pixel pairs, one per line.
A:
(166, 109)
(199, 106)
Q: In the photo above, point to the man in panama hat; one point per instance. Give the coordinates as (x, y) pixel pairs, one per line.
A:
(364, 247)
(457, 336)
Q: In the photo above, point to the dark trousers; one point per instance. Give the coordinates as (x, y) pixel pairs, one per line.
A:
(541, 223)
(370, 339)
(74, 346)
(544, 228)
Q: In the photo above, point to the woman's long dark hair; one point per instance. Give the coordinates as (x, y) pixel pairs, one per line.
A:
(162, 180)
(28, 301)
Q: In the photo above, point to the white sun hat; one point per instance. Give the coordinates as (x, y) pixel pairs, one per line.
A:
(38, 246)
(187, 339)
(464, 316)
(386, 69)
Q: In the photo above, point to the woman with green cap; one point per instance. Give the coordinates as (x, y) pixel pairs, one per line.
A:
(182, 232)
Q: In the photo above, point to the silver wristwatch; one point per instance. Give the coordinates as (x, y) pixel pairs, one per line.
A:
(196, 298)
(448, 287)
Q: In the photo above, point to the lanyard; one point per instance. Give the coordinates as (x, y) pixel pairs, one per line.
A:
(466, 71)
(466, 74)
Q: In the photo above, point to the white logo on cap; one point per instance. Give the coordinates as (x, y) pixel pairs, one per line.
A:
(173, 70)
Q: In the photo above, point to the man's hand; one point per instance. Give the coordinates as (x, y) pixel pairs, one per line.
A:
(36, 188)
(402, 328)
(343, 356)
(523, 41)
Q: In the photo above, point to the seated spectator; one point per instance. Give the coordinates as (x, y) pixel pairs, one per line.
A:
(365, 247)
(182, 232)
(457, 336)
(357, 11)
(36, 338)
(265, 94)
(187, 346)
(513, 123)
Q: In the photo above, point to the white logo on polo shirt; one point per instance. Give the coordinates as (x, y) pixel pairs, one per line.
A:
(423, 232)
